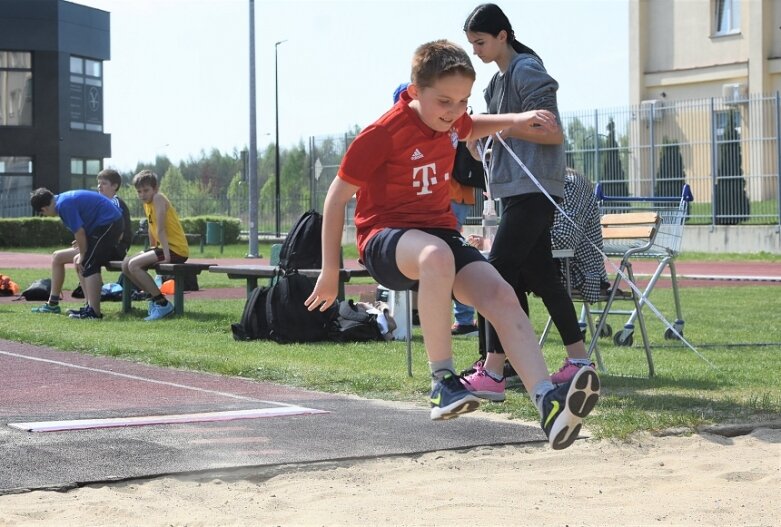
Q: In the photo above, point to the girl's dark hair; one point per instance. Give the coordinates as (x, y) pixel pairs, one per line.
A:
(489, 18)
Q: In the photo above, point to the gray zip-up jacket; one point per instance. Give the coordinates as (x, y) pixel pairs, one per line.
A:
(523, 87)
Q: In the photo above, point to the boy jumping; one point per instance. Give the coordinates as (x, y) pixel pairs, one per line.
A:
(399, 167)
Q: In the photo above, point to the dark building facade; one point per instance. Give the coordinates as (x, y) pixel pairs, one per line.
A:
(51, 98)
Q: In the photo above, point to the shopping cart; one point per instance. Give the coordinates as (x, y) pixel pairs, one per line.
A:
(660, 240)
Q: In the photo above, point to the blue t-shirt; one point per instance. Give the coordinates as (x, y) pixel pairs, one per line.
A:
(87, 209)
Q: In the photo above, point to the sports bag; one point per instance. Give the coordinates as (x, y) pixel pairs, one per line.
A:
(253, 324)
(355, 324)
(38, 290)
(466, 169)
(288, 319)
(278, 313)
(302, 246)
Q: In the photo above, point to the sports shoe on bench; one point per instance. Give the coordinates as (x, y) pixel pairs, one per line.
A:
(156, 312)
(484, 386)
(449, 399)
(46, 308)
(566, 372)
(565, 406)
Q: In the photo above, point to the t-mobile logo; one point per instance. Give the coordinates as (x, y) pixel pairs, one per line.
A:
(426, 176)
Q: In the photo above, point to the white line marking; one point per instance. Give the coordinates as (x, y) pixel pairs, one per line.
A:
(85, 424)
(144, 379)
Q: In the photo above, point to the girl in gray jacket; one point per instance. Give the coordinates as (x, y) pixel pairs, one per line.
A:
(521, 251)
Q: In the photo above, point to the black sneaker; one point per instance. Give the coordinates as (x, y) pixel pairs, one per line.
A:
(77, 311)
(449, 399)
(87, 314)
(464, 330)
(565, 406)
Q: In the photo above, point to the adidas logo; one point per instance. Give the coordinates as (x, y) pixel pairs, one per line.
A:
(416, 155)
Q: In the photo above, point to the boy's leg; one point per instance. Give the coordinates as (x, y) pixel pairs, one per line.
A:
(59, 260)
(425, 258)
(562, 408)
(399, 258)
(134, 268)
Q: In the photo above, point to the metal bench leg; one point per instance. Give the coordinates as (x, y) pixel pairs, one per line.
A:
(127, 294)
(408, 316)
(179, 293)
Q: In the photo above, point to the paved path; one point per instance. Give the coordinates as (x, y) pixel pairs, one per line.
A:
(43, 384)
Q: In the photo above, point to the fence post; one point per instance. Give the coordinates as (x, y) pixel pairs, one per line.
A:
(778, 159)
(713, 162)
(597, 176)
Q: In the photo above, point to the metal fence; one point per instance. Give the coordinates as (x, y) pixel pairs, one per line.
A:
(726, 150)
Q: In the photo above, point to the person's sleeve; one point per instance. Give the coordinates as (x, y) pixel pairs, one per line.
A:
(70, 216)
(464, 127)
(536, 88)
(366, 153)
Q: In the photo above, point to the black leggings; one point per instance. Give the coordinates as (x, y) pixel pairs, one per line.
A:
(522, 254)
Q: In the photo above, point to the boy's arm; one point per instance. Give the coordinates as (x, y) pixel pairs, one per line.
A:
(161, 208)
(327, 286)
(536, 126)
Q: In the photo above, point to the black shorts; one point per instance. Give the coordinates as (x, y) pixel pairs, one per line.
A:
(175, 258)
(380, 256)
(100, 247)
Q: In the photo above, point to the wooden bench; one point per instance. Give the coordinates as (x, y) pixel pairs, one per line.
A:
(180, 272)
(251, 273)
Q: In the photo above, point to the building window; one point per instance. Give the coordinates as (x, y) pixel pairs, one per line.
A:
(16, 88)
(84, 173)
(16, 184)
(86, 94)
(726, 17)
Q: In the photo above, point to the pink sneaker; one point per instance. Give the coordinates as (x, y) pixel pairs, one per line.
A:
(484, 386)
(566, 372)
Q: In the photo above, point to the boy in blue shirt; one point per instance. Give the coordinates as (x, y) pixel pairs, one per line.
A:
(97, 226)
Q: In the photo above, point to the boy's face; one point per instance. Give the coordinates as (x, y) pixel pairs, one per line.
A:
(486, 46)
(48, 210)
(106, 188)
(442, 103)
(146, 193)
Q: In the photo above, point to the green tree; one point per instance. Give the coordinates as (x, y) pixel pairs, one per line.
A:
(671, 176)
(613, 178)
(732, 203)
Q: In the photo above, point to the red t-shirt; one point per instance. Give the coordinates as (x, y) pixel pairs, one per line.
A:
(403, 169)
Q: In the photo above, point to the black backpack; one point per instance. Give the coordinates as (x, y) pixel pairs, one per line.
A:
(278, 313)
(253, 325)
(302, 246)
(466, 169)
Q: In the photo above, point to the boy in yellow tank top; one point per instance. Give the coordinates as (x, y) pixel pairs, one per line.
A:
(166, 239)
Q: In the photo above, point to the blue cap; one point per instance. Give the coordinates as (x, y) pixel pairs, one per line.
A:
(399, 89)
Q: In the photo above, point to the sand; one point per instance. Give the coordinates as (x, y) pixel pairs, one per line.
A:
(703, 479)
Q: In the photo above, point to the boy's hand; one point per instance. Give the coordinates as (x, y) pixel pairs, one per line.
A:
(527, 125)
(325, 291)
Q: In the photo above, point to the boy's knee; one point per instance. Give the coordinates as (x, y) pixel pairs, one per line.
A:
(438, 259)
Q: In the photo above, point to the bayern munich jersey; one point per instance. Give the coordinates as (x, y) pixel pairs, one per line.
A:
(403, 170)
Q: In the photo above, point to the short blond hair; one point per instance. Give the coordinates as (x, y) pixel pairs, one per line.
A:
(437, 59)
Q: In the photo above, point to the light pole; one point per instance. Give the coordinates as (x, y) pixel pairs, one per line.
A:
(252, 176)
(276, 140)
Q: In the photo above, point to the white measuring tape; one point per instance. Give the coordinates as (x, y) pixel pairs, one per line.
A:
(483, 151)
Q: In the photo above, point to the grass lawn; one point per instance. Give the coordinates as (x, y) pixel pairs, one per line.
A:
(735, 328)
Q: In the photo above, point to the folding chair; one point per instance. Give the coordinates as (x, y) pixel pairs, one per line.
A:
(637, 227)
